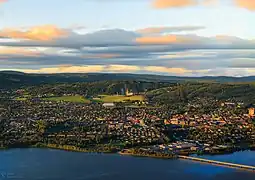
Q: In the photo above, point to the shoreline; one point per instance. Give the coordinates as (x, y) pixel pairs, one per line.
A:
(120, 152)
(72, 148)
(148, 156)
(96, 152)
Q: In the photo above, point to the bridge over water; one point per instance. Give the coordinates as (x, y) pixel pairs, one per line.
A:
(231, 165)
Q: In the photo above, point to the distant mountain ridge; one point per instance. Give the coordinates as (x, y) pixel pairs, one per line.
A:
(15, 79)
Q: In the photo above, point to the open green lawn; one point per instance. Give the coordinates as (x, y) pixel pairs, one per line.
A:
(21, 99)
(118, 98)
(104, 98)
(75, 99)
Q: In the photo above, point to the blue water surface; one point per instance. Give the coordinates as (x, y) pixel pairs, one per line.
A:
(47, 164)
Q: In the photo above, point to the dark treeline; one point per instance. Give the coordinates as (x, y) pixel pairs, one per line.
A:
(13, 79)
(187, 92)
(97, 88)
(161, 93)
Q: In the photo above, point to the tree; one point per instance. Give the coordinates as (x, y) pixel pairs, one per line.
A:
(41, 126)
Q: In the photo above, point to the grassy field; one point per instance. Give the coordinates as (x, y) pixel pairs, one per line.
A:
(21, 99)
(103, 98)
(118, 98)
(75, 99)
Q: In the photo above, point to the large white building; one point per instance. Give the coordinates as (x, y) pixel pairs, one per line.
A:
(109, 105)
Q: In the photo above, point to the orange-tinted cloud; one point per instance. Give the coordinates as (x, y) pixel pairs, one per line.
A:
(5, 51)
(222, 37)
(166, 39)
(111, 68)
(41, 33)
(122, 68)
(157, 39)
(248, 4)
(160, 4)
(65, 68)
(173, 3)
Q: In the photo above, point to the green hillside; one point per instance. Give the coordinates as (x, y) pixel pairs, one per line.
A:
(12, 79)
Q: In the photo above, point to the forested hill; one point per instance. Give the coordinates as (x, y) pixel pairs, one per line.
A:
(158, 92)
(187, 92)
(13, 79)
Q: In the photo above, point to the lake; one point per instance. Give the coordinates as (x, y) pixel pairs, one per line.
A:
(47, 164)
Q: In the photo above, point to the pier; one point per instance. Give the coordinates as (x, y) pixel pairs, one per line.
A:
(213, 162)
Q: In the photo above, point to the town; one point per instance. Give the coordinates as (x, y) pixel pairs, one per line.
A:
(133, 126)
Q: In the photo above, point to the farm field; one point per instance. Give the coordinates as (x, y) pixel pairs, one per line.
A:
(101, 98)
(20, 99)
(120, 98)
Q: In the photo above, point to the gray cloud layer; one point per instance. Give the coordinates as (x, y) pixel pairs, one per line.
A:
(116, 46)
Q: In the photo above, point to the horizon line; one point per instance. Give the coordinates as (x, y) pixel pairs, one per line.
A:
(145, 74)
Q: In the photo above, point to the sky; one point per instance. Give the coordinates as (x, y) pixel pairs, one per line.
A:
(166, 37)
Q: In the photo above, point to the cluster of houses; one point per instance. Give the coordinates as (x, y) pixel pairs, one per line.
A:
(74, 123)
(223, 116)
(128, 133)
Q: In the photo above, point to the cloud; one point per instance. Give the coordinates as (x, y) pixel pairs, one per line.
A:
(102, 38)
(66, 69)
(188, 63)
(173, 71)
(40, 33)
(173, 3)
(166, 70)
(156, 30)
(237, 72)
(161, 4)
(210, 2)
(186, 54)
(100, 56)
(122, 68)
(121, 44)
(119, 38)
(170, 39)
(12, 51)
(248, 4)
(243, 62)
(111, 68)
(157, 39)
(116, 50)
(227, 38)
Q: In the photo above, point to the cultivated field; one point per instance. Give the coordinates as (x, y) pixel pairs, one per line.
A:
(101, 98)
(20, 99)
(120, 98)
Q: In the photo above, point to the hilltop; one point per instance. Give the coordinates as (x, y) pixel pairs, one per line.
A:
(13, 79)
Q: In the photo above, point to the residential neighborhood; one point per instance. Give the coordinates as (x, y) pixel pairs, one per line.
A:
(29, 122)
